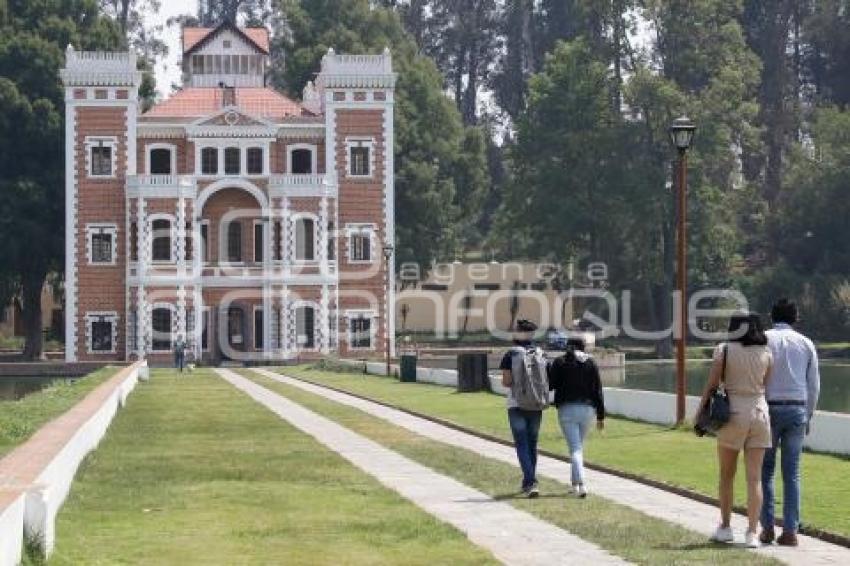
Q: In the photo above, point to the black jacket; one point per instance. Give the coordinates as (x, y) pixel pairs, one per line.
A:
(575, 378)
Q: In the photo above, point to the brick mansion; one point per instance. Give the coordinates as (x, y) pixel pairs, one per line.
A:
(249, 225)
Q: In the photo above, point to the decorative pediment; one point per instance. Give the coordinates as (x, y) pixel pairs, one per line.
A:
(231, 122)
(232, 118)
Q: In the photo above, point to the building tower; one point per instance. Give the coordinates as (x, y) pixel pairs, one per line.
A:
(101, 105)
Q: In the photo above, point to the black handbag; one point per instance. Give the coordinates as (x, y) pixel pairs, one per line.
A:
(716, 411)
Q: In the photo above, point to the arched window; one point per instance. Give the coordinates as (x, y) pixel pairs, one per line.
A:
(305, 233)
(209, 161)
(160, 161)
(302, 161)
(161, 327)
(305, 326)
(234, 242)
(161, 248)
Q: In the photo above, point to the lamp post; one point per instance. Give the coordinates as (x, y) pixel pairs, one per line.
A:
(681, 136)
(388, 254)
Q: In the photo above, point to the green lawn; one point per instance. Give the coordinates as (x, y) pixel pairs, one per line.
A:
(617, 528)
(20, 419)
(195, 472)
(676, 457)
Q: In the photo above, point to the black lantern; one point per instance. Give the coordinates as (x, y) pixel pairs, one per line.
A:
(682, 133)
(388, 251)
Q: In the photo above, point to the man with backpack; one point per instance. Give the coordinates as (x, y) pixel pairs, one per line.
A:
(578, 396)
(524, 374)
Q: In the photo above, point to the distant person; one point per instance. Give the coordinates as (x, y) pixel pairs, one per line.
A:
(792, 396)
(578, 396)
(745, 374)
(180, 353)
(524, 374)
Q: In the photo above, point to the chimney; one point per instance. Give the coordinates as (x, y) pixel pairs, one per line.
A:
(228, 95)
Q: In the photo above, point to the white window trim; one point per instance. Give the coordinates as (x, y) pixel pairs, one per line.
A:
(373, 327)
(95, 316)
(199, 151)
(242, 144)
(224, 243)
(314, 166)
(107, 141)
(295, 218)
(173, 229)
(91, 230)
(170, 147)
(206, 321)
(173, 309)
(352, 142)
(265, 169)
(223, 160)
(315, 306)
(257, 308)
(205, 257)
(360, 229)
(254, 240)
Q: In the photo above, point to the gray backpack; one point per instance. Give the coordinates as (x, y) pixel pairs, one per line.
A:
(530, 382)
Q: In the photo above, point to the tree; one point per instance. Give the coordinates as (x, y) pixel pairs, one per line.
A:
(144, 39)
(33, 37)
(518, 61)
(248, 12)
(433, 154)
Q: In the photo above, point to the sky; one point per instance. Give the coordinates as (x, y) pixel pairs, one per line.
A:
(168, 71)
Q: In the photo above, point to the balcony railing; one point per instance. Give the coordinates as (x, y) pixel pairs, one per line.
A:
(142, 182)
(303, 184)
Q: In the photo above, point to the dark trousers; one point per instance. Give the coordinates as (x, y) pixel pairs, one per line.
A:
(525, 428)
(179, 360)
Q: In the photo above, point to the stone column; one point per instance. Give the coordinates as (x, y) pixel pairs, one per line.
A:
(180, 244)
(181, 312)
(198, 306)
(324, 320)
(322, 236)
(142, 325)
(268, 228)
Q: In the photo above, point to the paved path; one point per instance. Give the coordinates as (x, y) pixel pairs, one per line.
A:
(527, 541)
(693, 515)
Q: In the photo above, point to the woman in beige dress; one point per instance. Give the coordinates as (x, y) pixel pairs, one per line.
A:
(748, 365)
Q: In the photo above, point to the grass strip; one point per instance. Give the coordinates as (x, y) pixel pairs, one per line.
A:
(617, 528)
(672, 456)
(193, 471)
(20, 419)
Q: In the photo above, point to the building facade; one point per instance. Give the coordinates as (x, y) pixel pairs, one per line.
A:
(252, 226)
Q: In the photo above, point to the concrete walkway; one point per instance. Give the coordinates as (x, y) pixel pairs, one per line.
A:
(693, 515)
(513, 536)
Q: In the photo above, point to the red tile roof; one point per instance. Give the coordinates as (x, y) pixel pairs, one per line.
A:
(193, 36)
(198, 102)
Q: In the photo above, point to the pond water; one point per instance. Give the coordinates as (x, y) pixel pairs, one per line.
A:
(835, 380)
(14, 388)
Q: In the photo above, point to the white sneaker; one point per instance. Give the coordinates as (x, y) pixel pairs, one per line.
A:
(581, 491)
(723, 534)
(752, 540)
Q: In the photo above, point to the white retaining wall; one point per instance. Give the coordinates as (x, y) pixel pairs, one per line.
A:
(830, 432)
(42, 500)
(12, 529)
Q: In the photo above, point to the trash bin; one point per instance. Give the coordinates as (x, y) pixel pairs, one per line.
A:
(472, 373)
(408, 368)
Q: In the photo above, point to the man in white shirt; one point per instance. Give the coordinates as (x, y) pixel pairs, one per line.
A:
(792, 395)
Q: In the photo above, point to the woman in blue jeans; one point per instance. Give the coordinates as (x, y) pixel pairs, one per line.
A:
(578, 396)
